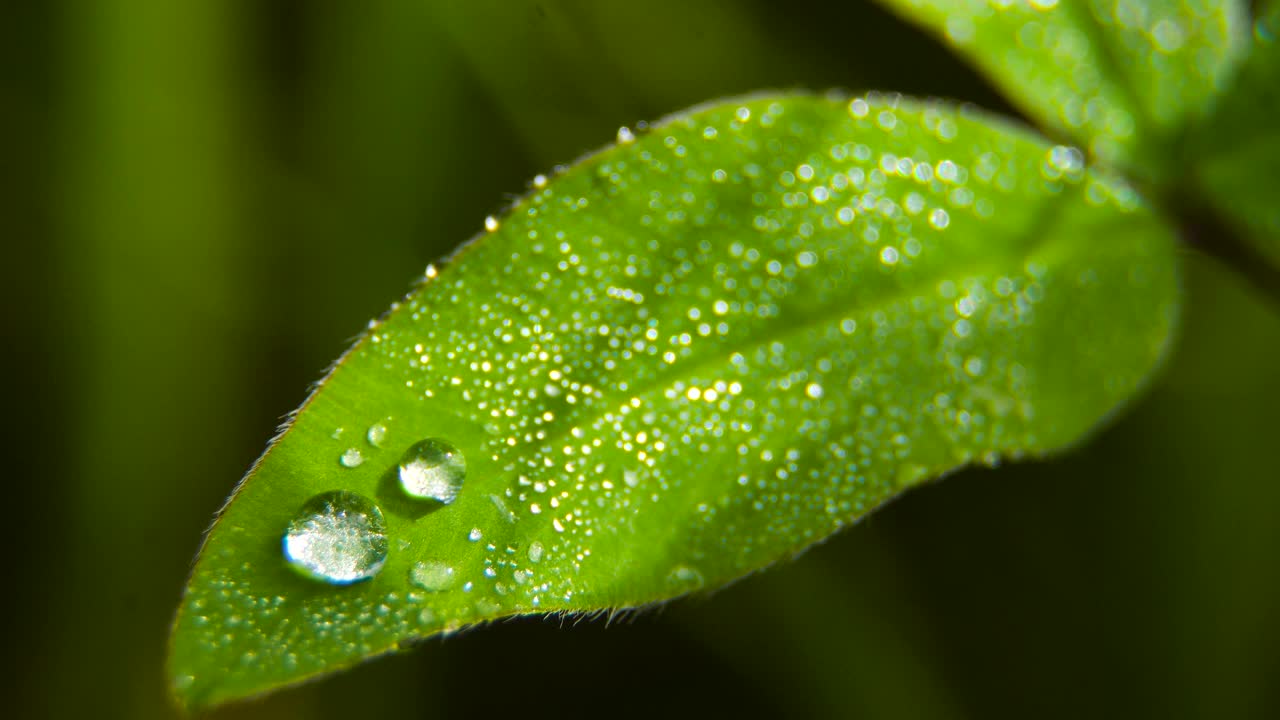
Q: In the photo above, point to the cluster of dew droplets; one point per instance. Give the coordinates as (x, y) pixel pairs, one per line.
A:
(340, 537)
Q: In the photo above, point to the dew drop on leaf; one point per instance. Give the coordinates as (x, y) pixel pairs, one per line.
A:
(337, 537)
(431, 576)
(686, 577)
(433, 470)
(376, 434)
(535, 551)
(351, 458)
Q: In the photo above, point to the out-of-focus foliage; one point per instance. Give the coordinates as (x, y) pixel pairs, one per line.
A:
(209, 199)
(1120, 77)
(1238, 149)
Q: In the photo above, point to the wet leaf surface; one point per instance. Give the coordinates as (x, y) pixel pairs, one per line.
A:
(689, 356)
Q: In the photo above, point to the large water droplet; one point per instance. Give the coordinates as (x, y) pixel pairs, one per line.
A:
(431, 576)
(433, 470)
(337, 537)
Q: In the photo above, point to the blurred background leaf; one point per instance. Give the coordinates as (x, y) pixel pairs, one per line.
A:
(1120, 79)
(185, 181)
(1240, 146)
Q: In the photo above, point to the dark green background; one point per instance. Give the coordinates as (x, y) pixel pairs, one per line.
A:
(204, 201)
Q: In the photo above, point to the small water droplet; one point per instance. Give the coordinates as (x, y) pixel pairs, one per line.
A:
(475, 535)
(377, 433)
(1066, 159)
(433, 470)
(535, 551)
(431, 576)
(686, 577)
(625, 136)
(974, 366)
(337, 537)
(491, 223)
(351, 458)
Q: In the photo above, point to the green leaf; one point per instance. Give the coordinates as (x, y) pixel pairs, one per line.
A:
(1238, 153)
(689, 356)
(1119, 77)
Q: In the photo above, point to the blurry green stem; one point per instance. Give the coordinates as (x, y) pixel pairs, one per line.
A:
(1207, 232)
